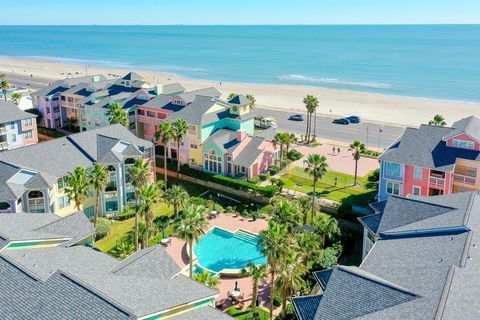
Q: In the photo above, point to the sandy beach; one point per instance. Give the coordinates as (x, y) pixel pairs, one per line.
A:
(374, 107)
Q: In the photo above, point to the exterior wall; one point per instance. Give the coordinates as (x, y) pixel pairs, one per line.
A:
(248, 125)
(463, 179)
(14, 134)
(465, 137)
(29, 126)
(410, 181)
(213, 148)
(226, 123)
(367, 242)
(384, 178)
(195, 152)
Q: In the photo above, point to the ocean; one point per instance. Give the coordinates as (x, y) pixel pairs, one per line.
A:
(431, 61)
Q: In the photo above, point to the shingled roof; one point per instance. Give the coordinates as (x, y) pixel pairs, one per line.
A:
(9, 111)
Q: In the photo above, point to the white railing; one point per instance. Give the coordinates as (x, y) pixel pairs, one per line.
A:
(460, 178)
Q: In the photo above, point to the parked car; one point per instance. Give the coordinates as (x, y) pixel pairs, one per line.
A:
(341, 121)
(354, 119)
(296, 117)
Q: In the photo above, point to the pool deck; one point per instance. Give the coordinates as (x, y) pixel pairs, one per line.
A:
(178, 251)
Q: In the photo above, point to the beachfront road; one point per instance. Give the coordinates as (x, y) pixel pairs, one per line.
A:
(373, 135)
(368, 133)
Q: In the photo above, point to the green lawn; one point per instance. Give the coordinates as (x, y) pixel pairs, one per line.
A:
(120, 228)
(334, 185)
(247, 314)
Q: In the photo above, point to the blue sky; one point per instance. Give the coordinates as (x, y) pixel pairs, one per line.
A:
(239, 11)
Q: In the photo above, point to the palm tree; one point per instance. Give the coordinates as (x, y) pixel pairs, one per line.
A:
(190, 226)
(71, 121)
(286, 213)
(316, 167)
(289, 140)
(164, 135)
(358, 148)
(304, 205)
(310, 245)
(252, 100)
(438, 120)
(176, 196)
(327, 227)
(232, 96)
(78, 186)
(140, 174)
(281, 139)
(258, 273)
(274, 244)
(290, 275)
(149, 195)
(207, 279)
(99, 181)
(123, 248)
(16, 96)
(4, 85)
(311, 104)
(179, 131)
(117, 115)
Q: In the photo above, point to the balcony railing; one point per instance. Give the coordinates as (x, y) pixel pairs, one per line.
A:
(3, 145)
(460, 178)
(437, 182)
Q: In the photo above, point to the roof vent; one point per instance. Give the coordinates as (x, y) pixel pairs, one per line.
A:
(441, 260)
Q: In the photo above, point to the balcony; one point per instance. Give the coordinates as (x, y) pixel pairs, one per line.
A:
(3, 130)
(437, 182)
(463, 179)
(3, 146)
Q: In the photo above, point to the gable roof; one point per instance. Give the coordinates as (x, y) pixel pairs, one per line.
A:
(9, 111)
(239, 99)
(425, 147)
(45, 226)
(171, 88)
(193, 113)
(137, 294)
(469, 125)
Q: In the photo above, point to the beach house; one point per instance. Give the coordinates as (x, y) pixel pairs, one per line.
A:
(32, 178)
(49, 271)
(17, 127)
(420, 262)
(432, 160)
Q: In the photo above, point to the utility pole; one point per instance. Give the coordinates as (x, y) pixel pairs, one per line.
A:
(380, 130)
(367, 137)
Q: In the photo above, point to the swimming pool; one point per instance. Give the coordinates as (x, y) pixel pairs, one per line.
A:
(221, 251)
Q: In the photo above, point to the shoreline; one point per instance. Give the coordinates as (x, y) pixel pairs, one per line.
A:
(373, 107)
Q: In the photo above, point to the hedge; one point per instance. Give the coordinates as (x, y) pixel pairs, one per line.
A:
(267, 191)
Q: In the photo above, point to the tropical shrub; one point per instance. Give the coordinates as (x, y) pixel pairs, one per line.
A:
(254, 180)
(103, 228)
(294, 155)
(374, 176)
(198, 201)
(127, 213)
(263, 177)
(274, 170)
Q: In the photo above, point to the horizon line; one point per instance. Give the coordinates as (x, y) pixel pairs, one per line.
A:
(242, 25)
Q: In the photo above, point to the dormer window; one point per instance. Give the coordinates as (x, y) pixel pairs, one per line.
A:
(463, 144)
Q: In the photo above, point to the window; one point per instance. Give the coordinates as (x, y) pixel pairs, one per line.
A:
(151, 114)
(28, 122)
(69, 99)
(417, 173)
(131, 112)
(14, 138)
(28, 134)
(36, 203)
(62, 98)
(192, 129)
(392, 169)
(393, 188)
(463, 144)
(63, 202)
(193, 146)
(48, 112)
(213, 163)
(417, 191)
(61, 183)
(12, 125)
(141, 112)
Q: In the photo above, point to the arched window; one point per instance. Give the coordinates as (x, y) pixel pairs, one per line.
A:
(130, 161)
(36, 201)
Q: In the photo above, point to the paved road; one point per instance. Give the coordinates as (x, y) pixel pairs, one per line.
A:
(368, 133)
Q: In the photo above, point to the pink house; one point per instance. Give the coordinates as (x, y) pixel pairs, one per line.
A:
(432, 160)
(17, 127)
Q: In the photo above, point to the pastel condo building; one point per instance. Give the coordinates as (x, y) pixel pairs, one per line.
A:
(17, 127)
(220, 137)
(32, 178)
(432, 160)
(48, 270)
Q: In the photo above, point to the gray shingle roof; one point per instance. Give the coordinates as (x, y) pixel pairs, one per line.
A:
(44, 226)
(9, 111)
(425, 147)
(239, 99)
(225, 139)
(250, 153)
(193, 113)
(190, 96)
(171, 88)
(439, 267)
(470, 126)
(306, 306)
(138, 293)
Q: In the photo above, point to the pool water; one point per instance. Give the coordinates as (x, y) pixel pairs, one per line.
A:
(220, 249)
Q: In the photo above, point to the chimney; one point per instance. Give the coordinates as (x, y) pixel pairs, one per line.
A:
(158, 89)
(241, 134)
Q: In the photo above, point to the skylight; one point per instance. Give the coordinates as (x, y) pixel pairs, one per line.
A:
(22, 177)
